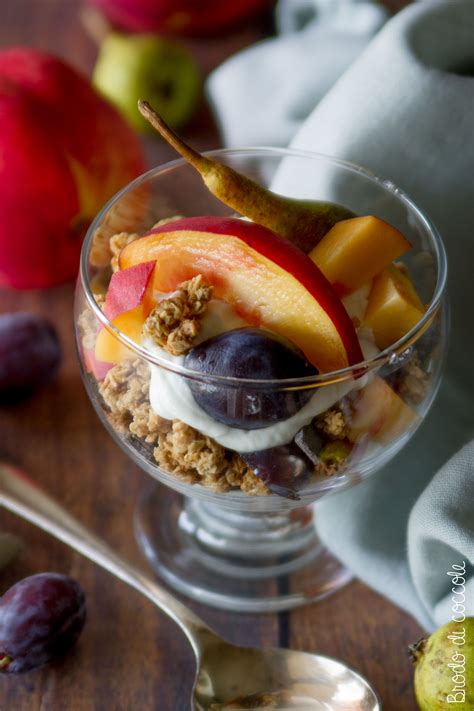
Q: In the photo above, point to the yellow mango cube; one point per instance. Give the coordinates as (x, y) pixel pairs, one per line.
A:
(355, 250)
(394, 307)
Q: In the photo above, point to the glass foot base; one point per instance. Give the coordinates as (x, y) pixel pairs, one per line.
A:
(234, 560)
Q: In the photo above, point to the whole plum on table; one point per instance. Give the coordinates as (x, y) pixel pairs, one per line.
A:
(30, 354)
(249, 353)
(41, 617)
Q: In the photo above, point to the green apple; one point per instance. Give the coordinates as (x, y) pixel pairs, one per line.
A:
(133, 67)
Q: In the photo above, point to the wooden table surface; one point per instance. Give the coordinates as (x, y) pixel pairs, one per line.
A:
(130, 657)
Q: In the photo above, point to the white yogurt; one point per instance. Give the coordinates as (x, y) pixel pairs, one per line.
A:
(356, 303)
(171, 397)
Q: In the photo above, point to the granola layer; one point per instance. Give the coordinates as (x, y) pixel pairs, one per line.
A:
(176, 321)
(178, 448)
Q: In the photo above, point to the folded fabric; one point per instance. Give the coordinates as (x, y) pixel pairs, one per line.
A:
(403, 109)
(263, 94)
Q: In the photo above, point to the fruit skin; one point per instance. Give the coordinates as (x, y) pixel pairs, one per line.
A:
(248, 353)
(98, 368)
(379, 413)
(301, 222)
(434, 678)
(129, 288)
(178, 16)
(355, 250)
(128, 302)
(41, 617)
(132, 66)
(267, 280)
(64, 151)
(394, 307)
(30, 354)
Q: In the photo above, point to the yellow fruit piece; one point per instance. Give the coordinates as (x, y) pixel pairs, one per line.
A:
(379, 413)
(108, 347)
(355, 250)
(394, 307)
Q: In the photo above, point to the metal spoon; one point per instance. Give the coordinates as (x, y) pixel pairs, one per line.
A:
(227, 677)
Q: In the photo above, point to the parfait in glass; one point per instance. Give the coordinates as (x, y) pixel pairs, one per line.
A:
(249, 376)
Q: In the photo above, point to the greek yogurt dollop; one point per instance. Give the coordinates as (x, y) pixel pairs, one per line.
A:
(171, 397)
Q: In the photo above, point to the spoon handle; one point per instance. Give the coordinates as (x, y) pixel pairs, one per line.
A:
(23, 497)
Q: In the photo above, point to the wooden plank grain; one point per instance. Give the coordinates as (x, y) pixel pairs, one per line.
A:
(123, 659)
(366, 632)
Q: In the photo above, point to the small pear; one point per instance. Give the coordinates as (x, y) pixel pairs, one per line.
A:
(302, 222)
(444, 670)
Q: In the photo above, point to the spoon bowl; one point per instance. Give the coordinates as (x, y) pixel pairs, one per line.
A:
(231, 677)
(227, 676)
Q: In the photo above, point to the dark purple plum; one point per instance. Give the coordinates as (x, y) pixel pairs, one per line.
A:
(284, 469)
(30, 354)
(249, 353)
(41, 617)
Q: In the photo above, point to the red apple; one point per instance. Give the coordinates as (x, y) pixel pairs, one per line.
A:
(194, 17)
(64, 152)
(267, 279)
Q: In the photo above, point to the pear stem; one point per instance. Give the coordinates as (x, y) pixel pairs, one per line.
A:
(195, 159)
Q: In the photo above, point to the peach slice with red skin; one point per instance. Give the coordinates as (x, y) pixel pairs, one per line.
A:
(379, 413)
(128, 302)
(98, 368)
(108, 347)
(355, 250)
(128, 289)
(265, 278)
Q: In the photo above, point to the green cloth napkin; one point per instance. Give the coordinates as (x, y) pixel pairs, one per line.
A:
(411, 119)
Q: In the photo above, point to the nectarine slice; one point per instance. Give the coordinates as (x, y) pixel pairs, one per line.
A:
(128, 289)
(379, 413)
(355, 250)
(98, 369)
(394, 307)
(128, 302)
(266, 279)
(108, 347)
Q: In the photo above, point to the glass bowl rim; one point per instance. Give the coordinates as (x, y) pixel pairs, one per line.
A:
(321, 379)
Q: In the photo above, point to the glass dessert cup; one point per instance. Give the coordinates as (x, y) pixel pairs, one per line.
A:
(209, 526)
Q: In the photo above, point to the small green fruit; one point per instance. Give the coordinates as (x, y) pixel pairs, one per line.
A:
(133, 67)
(444, 668)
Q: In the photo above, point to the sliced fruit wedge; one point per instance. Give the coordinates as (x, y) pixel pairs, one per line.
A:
(379, 413)
(128, 289)
(394, 307)
(128, 302)
(110, 349)
(355, 250)
(267, 280)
